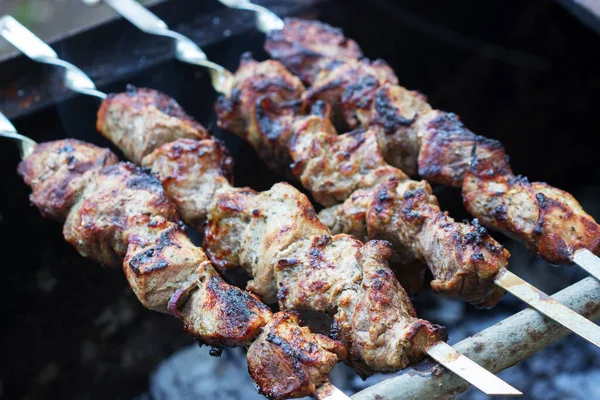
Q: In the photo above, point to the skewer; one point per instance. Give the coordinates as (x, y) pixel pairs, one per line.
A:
(267, 22)
(440, 351)
(8, 130)
(515, 285)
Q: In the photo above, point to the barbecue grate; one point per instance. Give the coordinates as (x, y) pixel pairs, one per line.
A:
(162, 77)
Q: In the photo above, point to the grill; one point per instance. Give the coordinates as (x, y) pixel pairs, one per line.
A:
(522, 73)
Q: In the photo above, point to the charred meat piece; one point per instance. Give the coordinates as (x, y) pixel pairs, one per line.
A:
(252, 81)
(548, 220)
(191, 171)
(57, 172)
(350, 89)
(308, 47)
(312, 358)
(379, 201)
(118, 213)
(140, 120)
(439, 147)
(447, 148)
(295, 260)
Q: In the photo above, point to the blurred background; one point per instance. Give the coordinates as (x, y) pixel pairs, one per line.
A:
(521, 71)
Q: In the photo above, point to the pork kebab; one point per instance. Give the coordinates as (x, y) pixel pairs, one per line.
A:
(434, 144)
(224, 82)
(376, 200)
(373, 318)
(118, 215)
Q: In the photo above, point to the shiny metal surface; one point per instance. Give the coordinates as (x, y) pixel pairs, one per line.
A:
(470, 371)
(588, 261)
(549, 307)
(266, 20)
(186, 50)
(7, 130)
(36, 49)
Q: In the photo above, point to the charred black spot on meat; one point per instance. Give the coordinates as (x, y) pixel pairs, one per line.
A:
(388, 116)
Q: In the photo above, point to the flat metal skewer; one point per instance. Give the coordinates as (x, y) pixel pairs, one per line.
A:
(441, 352)
(8, 130)
(548, 306)
(588, 261)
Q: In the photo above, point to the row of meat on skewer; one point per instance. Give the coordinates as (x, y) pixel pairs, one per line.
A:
(121, 215)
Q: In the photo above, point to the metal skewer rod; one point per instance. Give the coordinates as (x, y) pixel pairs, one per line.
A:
(441, 352)
(185, 49)
(582, 257)
(8, 130)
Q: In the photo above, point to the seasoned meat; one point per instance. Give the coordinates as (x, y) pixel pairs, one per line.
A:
(119, 214)
(191, 171)
(412, 137)
(307, 47)
(57, 172)
(140, 120)
(333, 166)
(447, 148)
(385, 331)
(548, 220)
(441, 149)
(100, 222)
(350, 89)
(252, 81)
(379, 199)
(295, 260)
(313, 357)
(220, 316)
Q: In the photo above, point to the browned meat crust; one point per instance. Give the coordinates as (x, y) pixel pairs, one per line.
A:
(379, 201)
(57, 173)
(191, 172)
(548, 220)
(308, 47)
(293, 259)
(118, 214)
(437, 145)
(290, 360)
(140, 120)
(255, 80)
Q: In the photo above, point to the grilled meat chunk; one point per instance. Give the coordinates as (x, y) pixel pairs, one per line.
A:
(412, 136)
(439, 147)
(108, 211)
(119, 214)
(308, 47)
(191, 171)
(380, 202)
(291, 361)
(140, 120)
(252, 81)
(57, 172)
(548, 220)
(294, 260)
(350, 89)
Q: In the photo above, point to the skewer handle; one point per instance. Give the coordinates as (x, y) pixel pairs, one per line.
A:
(549, 307)
(185, 49)
(36, 49)
(266, 21)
